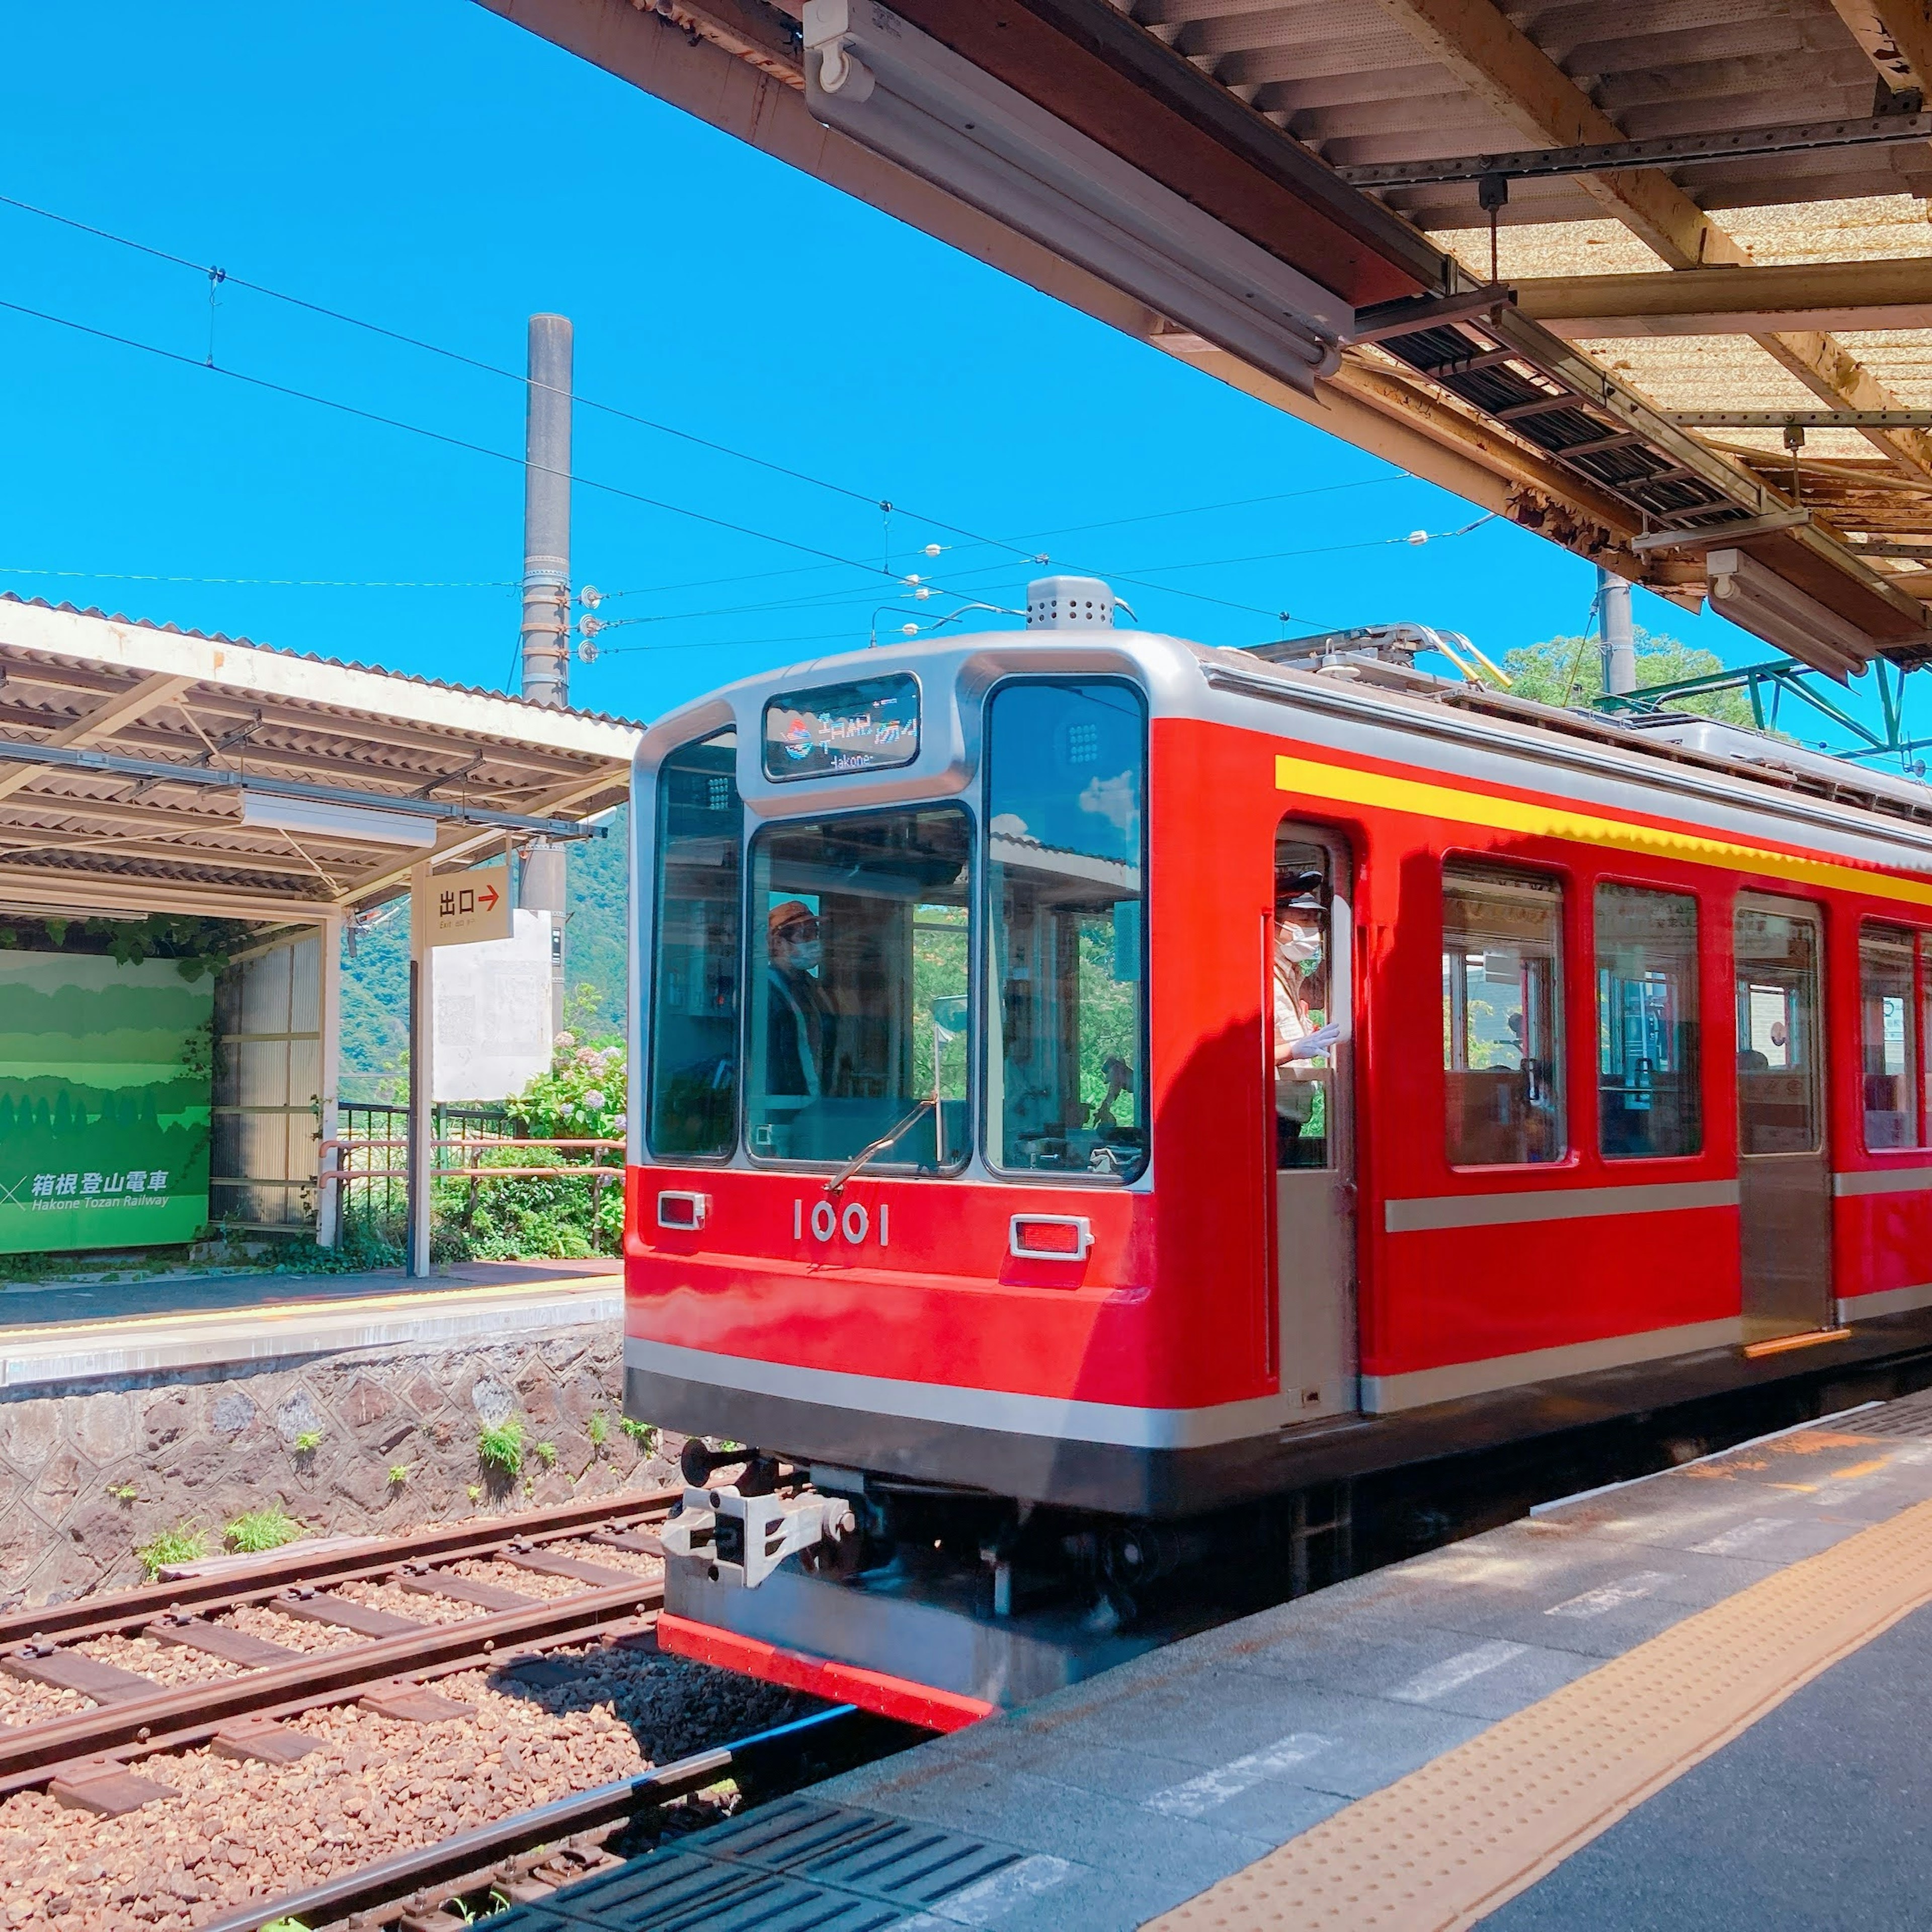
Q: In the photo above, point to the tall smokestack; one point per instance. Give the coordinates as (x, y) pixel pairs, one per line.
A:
(547, 514)
(546, 880)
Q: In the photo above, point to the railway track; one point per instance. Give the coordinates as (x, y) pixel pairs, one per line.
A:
(557, 1840)
(85, 1758)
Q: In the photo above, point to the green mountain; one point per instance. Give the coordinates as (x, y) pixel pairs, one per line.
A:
(596, 949)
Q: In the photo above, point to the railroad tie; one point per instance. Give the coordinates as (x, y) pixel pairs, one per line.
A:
(264, 1740)
(463, 1590)
(325, 1606)
(638, 1542)
(413, 1704)
(222, 1640)
(108, 1789)
(75, 1670)
(599, 1576)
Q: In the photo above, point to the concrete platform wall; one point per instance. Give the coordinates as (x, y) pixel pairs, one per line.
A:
(89, 1471)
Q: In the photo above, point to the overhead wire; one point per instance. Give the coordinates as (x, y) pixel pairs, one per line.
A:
(228, 279)
(1013, 546)
(436, 435)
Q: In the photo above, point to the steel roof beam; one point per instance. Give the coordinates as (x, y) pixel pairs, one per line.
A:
(1668, 151)
(75, 759)
(1751, 300)
(1503, 67)
(1889, 418)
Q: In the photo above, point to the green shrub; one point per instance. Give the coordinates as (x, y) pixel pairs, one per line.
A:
(182, 1544)
(308, 1442)
(600, 1429)
(399, 1475)
(644, 1434)
(254, 1531)
(499, 1446)
(546, 1454)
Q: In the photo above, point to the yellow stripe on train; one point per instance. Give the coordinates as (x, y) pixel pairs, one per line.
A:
(1342, 783)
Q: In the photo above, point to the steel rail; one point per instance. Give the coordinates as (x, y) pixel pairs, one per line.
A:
(190, 1733)
(31, 1755)
(390, 1880)
(230, 1589)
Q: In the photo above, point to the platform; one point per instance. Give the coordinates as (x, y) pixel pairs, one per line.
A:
(1693, 1700)
(113, 1330)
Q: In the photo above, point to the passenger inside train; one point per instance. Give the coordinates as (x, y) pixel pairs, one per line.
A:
(1304, 1038)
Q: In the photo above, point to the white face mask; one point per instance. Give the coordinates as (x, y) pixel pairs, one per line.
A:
(1296, 945)
(807, 955)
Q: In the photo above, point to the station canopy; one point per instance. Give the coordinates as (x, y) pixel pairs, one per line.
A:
(146, 770)
(1653, 279)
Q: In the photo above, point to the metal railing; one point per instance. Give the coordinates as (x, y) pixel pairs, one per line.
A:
(463, 1139)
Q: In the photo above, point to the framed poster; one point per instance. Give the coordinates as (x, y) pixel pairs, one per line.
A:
(104, 1096)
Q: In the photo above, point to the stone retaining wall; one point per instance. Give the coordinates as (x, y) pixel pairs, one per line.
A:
(90, 1472)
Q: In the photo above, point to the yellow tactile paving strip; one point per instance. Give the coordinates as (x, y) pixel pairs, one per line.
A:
(1445, 1846)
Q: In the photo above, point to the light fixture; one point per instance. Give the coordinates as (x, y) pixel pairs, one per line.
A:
(877, 78)
(1759, 600)
(324, 818)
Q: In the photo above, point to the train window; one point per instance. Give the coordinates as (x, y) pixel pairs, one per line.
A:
(1305, 1034)
(1647, 1035)
(861, 929)
(1779, 1107)
(694, 1085)
(1889, 1037)
(1066, 1055)
(1502, 1016)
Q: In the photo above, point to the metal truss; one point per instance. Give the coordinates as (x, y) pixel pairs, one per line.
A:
(1769, 686)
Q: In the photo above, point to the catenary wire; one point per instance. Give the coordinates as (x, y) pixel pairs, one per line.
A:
(439, 436)
(230, 280)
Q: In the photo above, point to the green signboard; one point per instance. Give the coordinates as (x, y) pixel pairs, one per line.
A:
(104, 1097)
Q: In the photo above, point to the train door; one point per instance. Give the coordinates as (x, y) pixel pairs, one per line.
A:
(1784, 1171)
(1310, 967)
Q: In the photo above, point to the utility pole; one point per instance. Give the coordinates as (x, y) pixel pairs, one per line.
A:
(1618, 642)
(546, 628)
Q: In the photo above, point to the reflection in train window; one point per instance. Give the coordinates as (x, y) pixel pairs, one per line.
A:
(1066, 964)
(857, 988)
(1647, 1073)
(1888, 1034)
(1780, 1096)
(693, 1090)
(1502, 1016)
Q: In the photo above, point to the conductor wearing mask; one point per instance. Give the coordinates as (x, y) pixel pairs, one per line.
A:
(1300, 995)
(802, 1039)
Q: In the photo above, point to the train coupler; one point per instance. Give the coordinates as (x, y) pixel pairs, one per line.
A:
(742, 1539)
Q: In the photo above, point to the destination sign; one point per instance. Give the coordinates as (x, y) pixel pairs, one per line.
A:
(865, 726)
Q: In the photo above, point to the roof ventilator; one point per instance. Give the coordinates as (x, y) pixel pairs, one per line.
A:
(1072, 604)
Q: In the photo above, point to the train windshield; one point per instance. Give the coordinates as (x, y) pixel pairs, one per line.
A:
(1066, 1063)
(858, 985)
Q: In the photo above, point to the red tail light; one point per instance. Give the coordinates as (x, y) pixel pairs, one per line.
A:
(1057, 1237)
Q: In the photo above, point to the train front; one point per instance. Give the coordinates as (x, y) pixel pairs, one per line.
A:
(890, 1251)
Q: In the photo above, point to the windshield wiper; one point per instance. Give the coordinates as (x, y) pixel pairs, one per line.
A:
(879, 1146)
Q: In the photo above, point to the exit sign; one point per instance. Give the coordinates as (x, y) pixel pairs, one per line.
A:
(465, 907)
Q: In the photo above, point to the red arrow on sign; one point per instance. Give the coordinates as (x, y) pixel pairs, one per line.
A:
(488, 896)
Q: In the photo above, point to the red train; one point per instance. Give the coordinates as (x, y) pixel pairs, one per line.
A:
(1092, 1089)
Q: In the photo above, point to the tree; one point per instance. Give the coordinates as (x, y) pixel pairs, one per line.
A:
(1569, 670)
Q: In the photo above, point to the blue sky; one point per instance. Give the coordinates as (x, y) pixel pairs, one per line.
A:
(427, 166)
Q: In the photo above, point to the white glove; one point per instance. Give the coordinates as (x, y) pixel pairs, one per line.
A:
(1313, 1045)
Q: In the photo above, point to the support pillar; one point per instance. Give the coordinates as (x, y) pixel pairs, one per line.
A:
(421, 1151)
(329, 1194)
(1619, 639)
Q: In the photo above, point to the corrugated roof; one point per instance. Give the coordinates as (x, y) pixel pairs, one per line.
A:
(303, 657)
